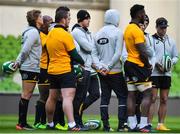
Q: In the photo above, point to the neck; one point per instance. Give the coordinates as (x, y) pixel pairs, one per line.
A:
(136, 21)
(45, 31)
(62, 24)
(80, 24)
(160, 35)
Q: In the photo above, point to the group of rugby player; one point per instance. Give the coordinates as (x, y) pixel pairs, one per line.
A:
(71, 67)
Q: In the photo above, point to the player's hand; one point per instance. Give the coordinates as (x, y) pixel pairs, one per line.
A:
(15, 65)
(160, 68)
(93, 66)
(104, 71)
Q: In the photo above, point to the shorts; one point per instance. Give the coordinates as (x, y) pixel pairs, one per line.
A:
(66, 80)
(137, 77)
(162, 82)
(43, 77)
(29, 76)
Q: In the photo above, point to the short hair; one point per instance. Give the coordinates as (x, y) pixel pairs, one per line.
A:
(32, 17)
(135, 9)
(61, 12)
(62, 8)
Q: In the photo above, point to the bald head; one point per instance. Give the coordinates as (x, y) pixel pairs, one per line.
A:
(47, 20)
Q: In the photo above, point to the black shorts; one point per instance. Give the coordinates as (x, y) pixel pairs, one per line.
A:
(66, 80)
(43, 77)
(162, 82)
(29, 76)
(135, 73)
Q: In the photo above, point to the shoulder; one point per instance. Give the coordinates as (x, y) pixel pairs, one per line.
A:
(119, 32)
(33, 30)
(78, 31)
(170, 39)
(42, 35)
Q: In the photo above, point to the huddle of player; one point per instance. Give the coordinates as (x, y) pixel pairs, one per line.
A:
(69, 64)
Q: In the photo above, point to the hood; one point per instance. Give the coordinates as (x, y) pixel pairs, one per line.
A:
(78, 26)
(112, 16)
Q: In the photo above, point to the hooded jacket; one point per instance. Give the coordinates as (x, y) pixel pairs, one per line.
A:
(108, 44)
(161, 46)
(30, 54)
(84, 42)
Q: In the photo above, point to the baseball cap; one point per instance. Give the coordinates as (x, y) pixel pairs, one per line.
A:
(161, 22)
(82, 15)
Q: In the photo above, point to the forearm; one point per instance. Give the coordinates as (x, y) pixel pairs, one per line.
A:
(83, 43)
(76, 57)
(114, 60)
(21, 57)
(143, 54)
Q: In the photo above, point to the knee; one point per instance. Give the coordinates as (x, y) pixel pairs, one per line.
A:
(154, 98)
(104, 101)
(68, 94)
(163, 100)
(26, 95)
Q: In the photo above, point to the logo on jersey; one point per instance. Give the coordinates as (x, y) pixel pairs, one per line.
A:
(103, 41)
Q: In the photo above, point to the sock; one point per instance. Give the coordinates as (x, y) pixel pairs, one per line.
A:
(43, 116)
(71, 124)
(160, 124)
(104, 115)
(132, 121)
(23, 107)
(51, 124)
(122, 115)
(106, 124)
(138, 113)
(59, 114)
(40, 115)
(150, 124)
(143, 122)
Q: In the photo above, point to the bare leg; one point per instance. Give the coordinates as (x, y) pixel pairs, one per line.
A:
(68, 96)
(51, 104)
(163, 105)
(152, 107)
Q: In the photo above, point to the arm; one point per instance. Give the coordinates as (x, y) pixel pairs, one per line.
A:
(139, 40)
(95, 58)
(82, 41)
(175, 56)
(149, 46)
(124, 54)
(71, 49)
(118, 50)
(77, 46)
(76, 57)
(143, 54)
(28, 41)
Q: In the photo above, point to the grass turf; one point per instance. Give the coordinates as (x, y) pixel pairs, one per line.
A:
(8, 122)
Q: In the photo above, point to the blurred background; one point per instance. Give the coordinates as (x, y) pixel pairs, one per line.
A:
(13, 21)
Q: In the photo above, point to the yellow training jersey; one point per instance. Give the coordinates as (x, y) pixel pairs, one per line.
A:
(133, 36)
(44, 56)
(58, 43)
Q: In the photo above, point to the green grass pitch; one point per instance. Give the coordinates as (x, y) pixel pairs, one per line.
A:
(8, 122)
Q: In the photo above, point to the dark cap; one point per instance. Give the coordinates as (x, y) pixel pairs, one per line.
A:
(82, 15)
(161, 22)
